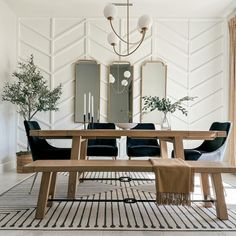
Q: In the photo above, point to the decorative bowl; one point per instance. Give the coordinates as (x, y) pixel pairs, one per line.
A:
(126, 125)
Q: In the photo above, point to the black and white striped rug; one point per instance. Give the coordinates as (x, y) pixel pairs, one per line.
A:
(17, 207)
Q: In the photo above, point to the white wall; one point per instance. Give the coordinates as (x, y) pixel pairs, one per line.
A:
(8, 27)
(194, 51)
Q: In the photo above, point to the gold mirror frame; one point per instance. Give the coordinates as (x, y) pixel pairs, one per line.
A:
(142, 84)
(130, 112)
(78, 118)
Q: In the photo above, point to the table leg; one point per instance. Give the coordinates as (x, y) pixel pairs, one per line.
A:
(52, 188)
(73, 179)
(83, 153)
(43, 195)
(221, 208)
(205, 186)
(164, 152)
(178, 148)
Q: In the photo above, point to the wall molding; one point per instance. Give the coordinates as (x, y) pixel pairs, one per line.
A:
(194, 50)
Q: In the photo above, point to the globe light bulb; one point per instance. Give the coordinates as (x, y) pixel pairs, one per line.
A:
(127, 74)
(110, 11)
(111, 79)
(145, 22)
(124, 82)
(112, 39)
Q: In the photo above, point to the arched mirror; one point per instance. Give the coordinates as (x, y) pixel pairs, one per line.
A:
(154, 74)
(87, 90)
(120, 92)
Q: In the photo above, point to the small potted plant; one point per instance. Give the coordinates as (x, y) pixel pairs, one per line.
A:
(165, 105)
(31, 94)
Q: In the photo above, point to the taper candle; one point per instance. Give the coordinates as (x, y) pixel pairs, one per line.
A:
(89, 102)
(84, 103)
(92, 106)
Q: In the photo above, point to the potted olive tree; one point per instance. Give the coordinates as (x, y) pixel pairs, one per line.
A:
(30, 93)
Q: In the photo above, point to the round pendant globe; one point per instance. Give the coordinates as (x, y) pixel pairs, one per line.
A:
(111, 79)
(124, 82)
(110, 11)
(112, 39)
(144, 22)
(127, 74)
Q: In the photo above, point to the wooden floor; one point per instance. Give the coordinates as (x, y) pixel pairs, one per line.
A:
(10, 178)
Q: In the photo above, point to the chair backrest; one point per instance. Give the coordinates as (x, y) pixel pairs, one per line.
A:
(213, 145)
(135, 142)
(111, 142)
(35, 143)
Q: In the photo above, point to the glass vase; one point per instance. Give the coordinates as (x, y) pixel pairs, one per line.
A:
(165, 124)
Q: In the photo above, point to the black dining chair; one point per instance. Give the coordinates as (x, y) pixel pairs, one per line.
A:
(210, 150)
(41, 149)
(102, 147)
(142, 147)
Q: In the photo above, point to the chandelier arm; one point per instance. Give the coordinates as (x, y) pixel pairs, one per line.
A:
(125, 55)
(124, 41)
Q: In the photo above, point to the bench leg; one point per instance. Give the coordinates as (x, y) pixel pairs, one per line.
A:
(205, 186)
(43, 195)
(221, 208)
(52, 188)
(73, 179)
(72, 184)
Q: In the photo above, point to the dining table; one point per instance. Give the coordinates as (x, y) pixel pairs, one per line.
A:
(80, 137)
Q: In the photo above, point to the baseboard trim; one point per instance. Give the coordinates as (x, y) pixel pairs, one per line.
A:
(6, 166)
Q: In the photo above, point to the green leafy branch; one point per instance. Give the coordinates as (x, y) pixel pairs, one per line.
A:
(164, 104)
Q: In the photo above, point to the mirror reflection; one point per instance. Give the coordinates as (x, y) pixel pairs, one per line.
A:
(120, 94)
(153, 84)
(87, 90)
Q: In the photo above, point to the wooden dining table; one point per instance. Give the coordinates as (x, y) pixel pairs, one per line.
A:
(80, 137)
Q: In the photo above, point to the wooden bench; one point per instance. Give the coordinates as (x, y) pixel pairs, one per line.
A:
(49, 169)
(80, 137)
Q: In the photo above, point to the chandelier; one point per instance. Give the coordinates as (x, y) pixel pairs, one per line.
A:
(144, 24)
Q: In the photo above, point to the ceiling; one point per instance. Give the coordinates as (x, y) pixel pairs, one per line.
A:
(156, 8)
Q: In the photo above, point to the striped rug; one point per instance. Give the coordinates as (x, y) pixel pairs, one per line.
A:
(17, 207)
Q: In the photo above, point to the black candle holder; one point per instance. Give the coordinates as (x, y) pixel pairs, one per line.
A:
(84, 121)
(92, 122)
(89, 117)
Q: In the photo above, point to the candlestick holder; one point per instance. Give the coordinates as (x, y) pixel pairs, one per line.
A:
(84, 121)
(92, 122)
(89, 117)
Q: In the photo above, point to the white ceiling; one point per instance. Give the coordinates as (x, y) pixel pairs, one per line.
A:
(156, 8)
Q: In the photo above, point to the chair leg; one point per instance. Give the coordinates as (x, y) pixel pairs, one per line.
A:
(31, 188)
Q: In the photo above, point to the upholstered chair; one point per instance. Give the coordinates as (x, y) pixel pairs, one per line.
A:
(142, 147)
(41, 149)
(210, 150)
(102, 147)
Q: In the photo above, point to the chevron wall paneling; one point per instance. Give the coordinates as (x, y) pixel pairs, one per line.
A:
(194, 51)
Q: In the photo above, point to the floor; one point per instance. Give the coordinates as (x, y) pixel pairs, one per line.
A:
(10, 178)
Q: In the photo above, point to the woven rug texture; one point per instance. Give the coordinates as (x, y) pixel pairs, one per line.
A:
(17, 207)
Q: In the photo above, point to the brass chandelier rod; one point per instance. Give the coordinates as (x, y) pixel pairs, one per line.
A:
(129, 53)
(128, 27)
(121, 39)
(144, 23)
